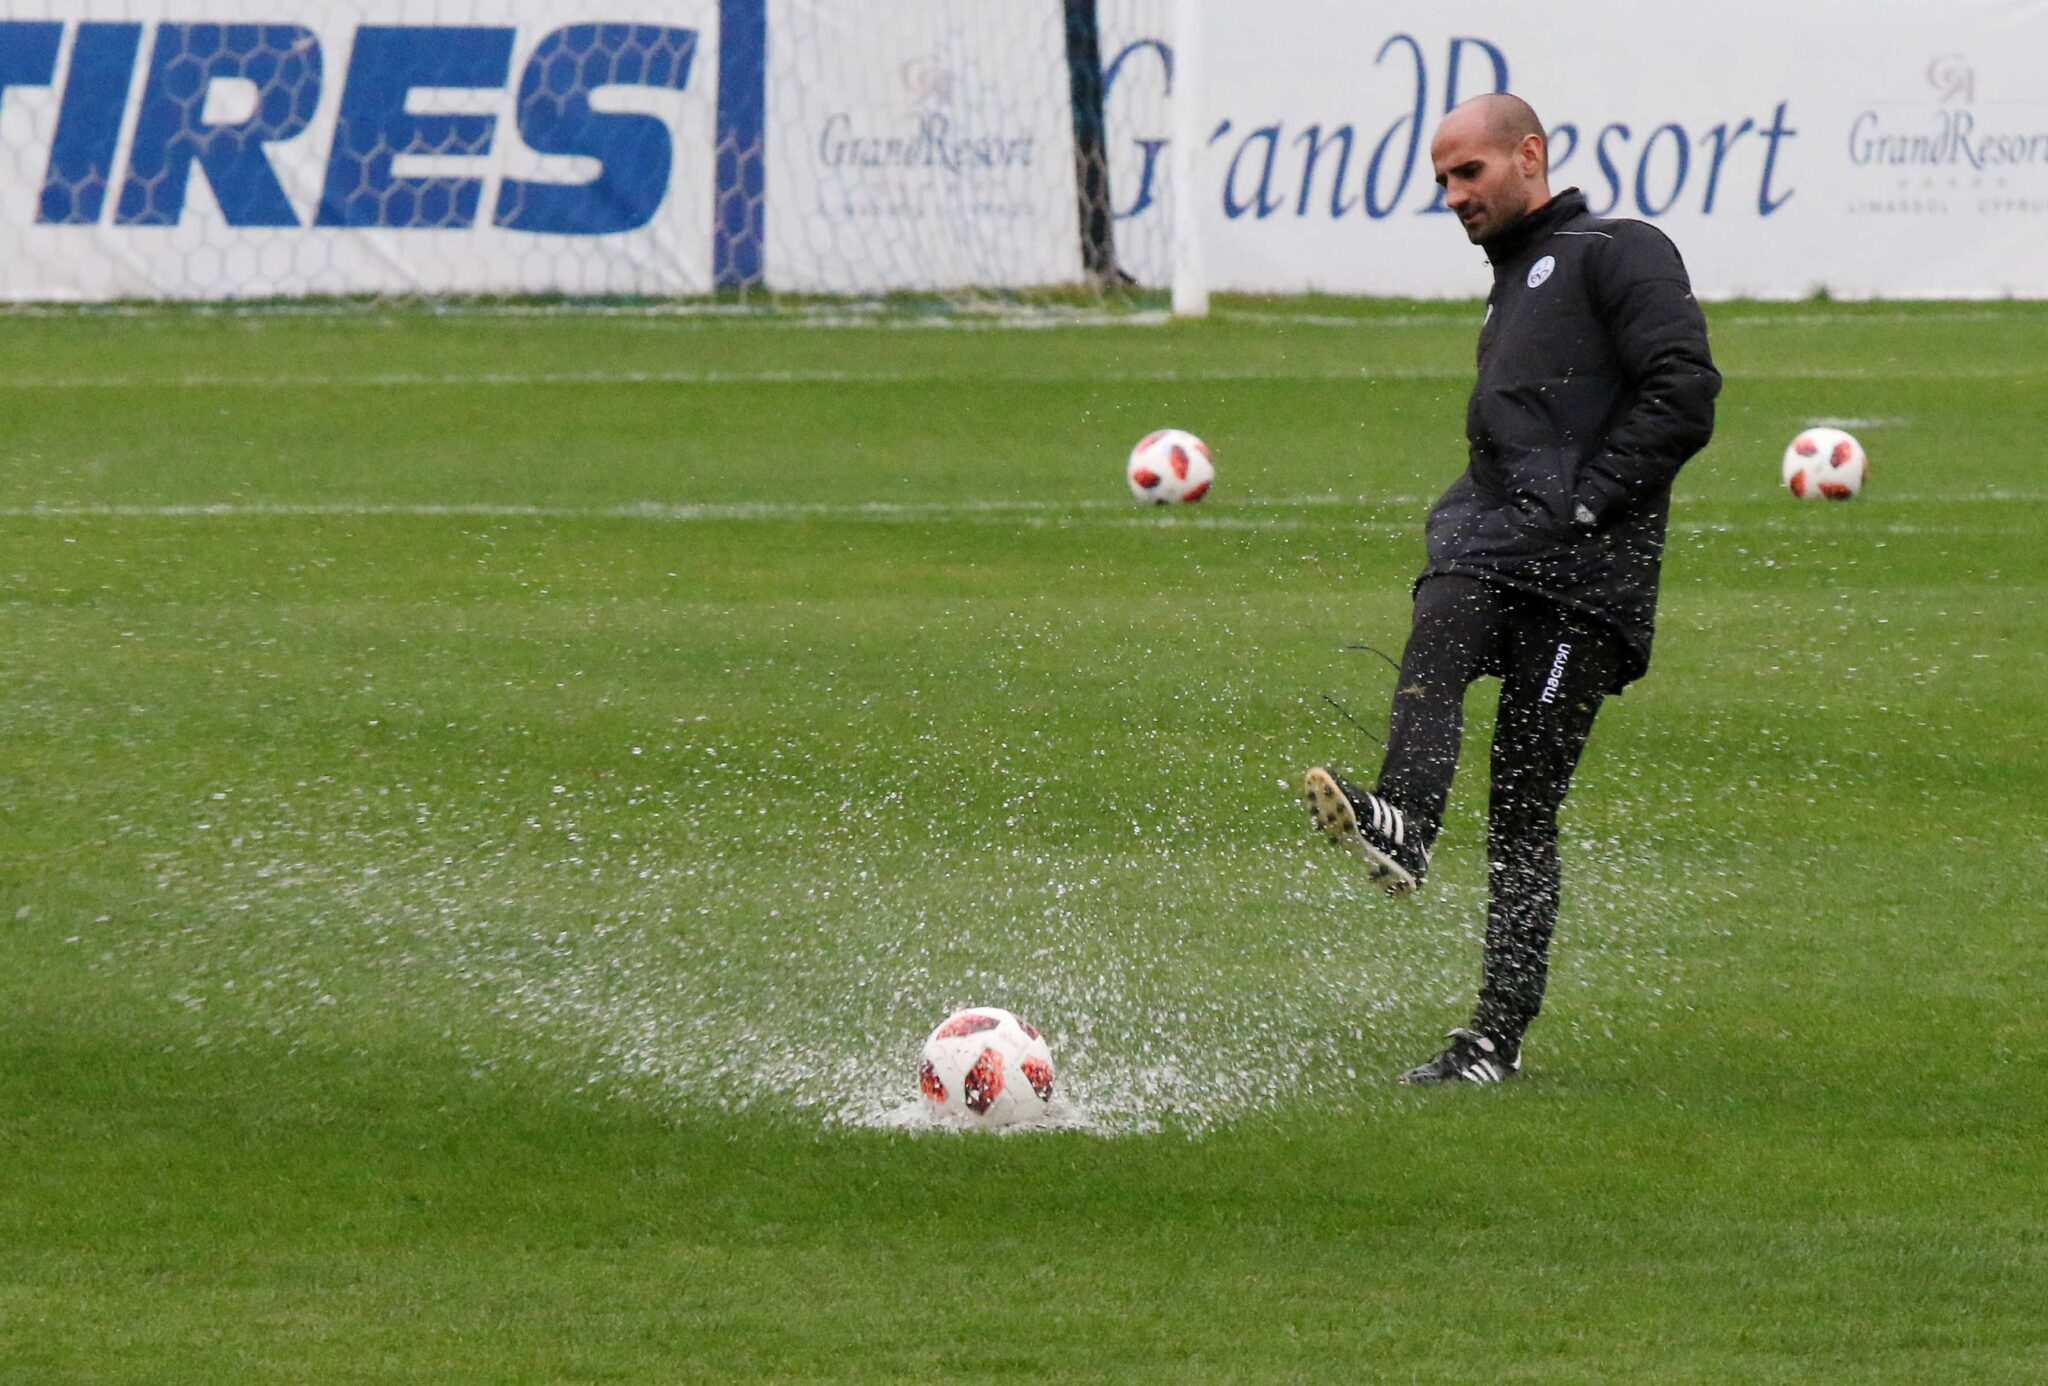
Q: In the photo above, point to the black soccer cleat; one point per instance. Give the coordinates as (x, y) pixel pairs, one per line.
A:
(1369, 828)
(1471, 1058)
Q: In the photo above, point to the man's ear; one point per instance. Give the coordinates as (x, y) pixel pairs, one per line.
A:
(1535, 155)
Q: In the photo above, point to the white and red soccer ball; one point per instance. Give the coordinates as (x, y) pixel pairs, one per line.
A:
(1824, 464)
(984, 1066)
(1169, 466)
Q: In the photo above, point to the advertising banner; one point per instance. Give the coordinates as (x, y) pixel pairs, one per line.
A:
(250, 149)
(265, 149)
(1888, 149)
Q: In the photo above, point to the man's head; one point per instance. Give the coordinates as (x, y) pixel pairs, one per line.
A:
(1492, 162)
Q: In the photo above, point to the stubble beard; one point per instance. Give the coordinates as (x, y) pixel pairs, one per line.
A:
(1496, 219)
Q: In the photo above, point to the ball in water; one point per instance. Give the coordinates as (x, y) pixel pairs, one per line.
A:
(985, 1066)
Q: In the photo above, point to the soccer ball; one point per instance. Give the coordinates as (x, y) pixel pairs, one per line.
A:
(1170, 465)
(1824, 464)
(985, 1067)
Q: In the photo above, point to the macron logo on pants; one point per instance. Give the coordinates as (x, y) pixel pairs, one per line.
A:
(1556, 679)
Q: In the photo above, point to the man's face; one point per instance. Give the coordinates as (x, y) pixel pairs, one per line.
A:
(1490, 185)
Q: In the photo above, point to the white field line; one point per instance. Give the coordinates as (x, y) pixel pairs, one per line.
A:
(1716, 319)
(967, 319)
(963, 320)
(964, 316)
(881, 317)
(218, 380)
(516, 379)
(1469, 317)
(1118, 512)
(692, 512)
(1895, 317)
(314, 380)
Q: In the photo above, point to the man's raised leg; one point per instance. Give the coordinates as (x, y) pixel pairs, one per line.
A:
(1457, 636)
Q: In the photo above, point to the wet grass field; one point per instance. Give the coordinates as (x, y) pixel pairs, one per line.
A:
(491, 802)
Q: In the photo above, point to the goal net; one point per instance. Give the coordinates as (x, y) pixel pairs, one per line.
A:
(247, 149)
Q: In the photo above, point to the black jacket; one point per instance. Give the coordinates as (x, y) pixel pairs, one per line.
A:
(1594, 386)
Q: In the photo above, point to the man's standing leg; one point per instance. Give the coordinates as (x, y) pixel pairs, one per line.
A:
(1559, 670)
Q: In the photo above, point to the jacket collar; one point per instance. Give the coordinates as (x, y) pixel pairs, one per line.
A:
(1534, 226)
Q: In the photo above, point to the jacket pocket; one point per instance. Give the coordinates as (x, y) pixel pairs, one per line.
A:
(1539, 486)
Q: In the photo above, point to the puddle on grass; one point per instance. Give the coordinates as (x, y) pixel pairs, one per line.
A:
(1178, 993)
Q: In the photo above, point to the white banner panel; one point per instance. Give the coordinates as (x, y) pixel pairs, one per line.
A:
(918, 144)
(265, 149)
(1895, 149)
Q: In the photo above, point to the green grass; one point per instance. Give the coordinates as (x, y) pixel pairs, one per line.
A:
(490, 804)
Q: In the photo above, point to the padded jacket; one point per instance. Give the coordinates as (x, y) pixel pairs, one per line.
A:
(1595, 385)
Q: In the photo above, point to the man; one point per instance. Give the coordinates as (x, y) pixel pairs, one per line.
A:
(1594, 386)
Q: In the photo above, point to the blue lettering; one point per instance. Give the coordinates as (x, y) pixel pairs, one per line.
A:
(282, 61)
(634, 152)
(739, 168)
(1723, 142)
(28, 52)
(1265, 204)
(1607, 168)
(1570, 133)
(1453, 92)
(1312, 140)
(89, 125)
(1678, 142)
(1150, 148)
(1765, 204)
(1375, 206)
(1499, 60)
(374, 126)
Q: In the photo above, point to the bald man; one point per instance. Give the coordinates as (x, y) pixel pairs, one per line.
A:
(1594, 387)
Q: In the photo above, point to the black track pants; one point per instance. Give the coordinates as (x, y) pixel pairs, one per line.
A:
(1555, 666)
